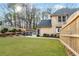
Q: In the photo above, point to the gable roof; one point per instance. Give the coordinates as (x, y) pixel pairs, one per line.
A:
(65, 11)
(44, 24)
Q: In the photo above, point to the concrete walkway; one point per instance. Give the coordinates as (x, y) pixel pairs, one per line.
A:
(41, 37)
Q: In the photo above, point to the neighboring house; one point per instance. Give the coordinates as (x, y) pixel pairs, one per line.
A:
(53, 26)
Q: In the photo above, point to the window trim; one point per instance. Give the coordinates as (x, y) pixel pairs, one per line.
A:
(59, 19)
(64, 18)
(58, 29)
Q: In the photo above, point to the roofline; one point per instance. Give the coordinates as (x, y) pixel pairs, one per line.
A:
(45, 27)
(58, 15)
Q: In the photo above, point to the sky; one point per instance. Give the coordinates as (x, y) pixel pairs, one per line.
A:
(55, 6)
(44, 6)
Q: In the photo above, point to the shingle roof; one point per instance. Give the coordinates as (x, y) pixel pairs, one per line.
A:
(44, 23)
(65, 11)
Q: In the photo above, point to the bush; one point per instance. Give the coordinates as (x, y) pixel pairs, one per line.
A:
(10, 31)
(4, 30)
(13, 30)
(54, 35)
(45, 35)
(58, 35)
(19, 30)
(38, 35)
(51, 35)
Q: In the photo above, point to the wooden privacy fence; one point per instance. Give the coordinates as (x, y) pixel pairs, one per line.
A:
(69, 35)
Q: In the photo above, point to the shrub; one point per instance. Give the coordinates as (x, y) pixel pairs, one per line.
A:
(38, 35)
(45, 35)
(58, 35)
(4, 30)
(13, 30)
(10, 31)
(19, 30)
(51, 35)
(54, 35)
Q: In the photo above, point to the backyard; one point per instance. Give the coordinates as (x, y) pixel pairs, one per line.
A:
(28, 46)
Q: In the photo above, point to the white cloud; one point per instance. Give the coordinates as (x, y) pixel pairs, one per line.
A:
(57, 7)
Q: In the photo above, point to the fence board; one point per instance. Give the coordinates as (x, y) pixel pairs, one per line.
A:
(69, 35)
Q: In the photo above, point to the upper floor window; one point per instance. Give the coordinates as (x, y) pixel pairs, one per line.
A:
(59, 18)
(64, 18)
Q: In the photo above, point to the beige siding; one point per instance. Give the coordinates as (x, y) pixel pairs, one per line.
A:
(45, 30)
(52, 30)
(54, 20)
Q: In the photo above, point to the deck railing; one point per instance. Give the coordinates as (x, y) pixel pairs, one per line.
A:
(69, 35)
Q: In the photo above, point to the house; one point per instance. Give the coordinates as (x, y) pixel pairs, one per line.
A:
(54, 24)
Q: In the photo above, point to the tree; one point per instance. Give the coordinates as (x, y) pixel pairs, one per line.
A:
(4, 13)
(26, 18)
(35, 17)
(8, 17)
(49, 10)
(0, 22)
(44, 15)
(11, 6)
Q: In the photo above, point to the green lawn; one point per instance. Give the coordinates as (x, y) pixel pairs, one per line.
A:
(22, 46)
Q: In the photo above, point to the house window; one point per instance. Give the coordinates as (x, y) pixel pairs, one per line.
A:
(59, 18)
(64, 18)
(57, 29)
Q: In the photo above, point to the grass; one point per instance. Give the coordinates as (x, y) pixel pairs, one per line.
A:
(23, 46)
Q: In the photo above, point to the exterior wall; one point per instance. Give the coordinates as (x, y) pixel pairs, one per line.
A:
(69, 35)
(52, 30)
(45, 31)
(54, 20)
(54, 23)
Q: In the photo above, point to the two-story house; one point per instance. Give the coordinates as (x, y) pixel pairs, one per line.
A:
(54, 24)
